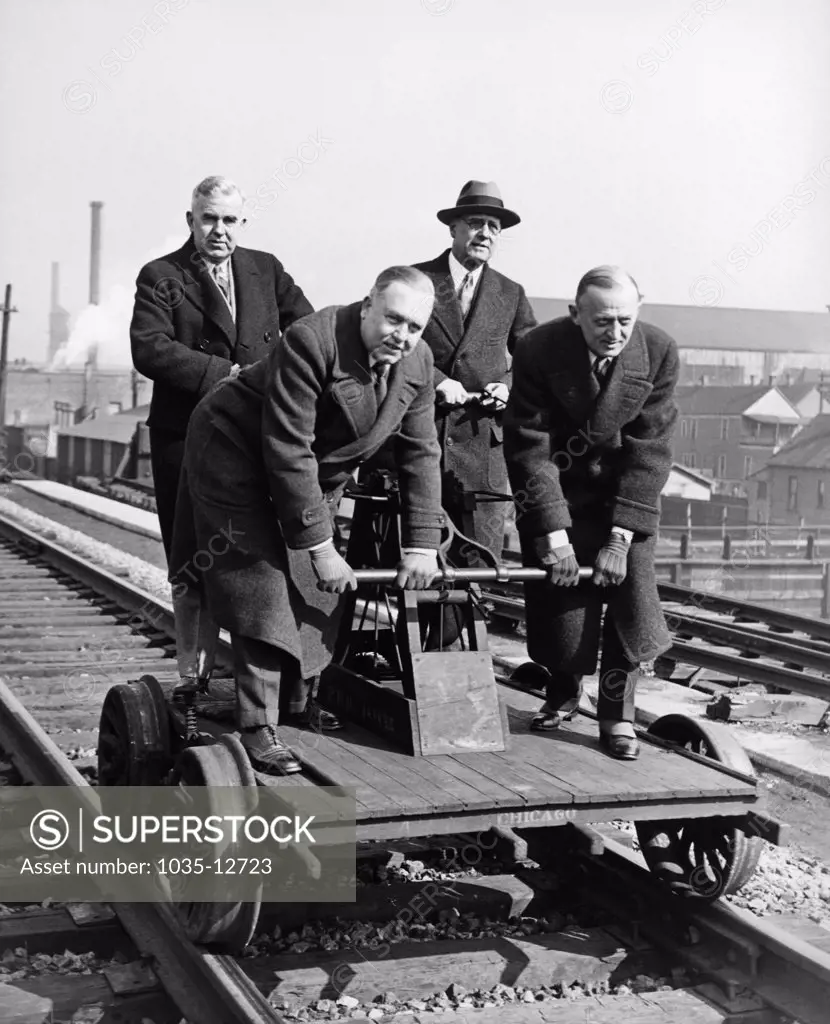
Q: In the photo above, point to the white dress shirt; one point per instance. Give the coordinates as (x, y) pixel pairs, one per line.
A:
(459, 272)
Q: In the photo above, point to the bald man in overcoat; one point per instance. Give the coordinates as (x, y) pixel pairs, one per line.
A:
(588, 440)
(268, 456)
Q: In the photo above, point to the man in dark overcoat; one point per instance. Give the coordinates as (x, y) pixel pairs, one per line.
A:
(200, 314)
(267, 458)
(478, 317)
(588, 440)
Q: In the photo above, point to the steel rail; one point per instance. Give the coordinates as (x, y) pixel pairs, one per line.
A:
(205, 987)
(787, 973)
(704, 601)
(214, 990)
(749, 640)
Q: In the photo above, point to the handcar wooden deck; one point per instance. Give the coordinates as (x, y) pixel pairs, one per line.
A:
(434, 745)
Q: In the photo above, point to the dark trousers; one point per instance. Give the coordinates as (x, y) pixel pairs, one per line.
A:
(617, 680)
(267, 681)
(166, 457)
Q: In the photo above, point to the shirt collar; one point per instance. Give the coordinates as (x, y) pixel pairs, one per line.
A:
(459, 271)
(213, 268)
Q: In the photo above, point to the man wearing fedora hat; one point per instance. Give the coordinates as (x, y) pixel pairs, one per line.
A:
(478, 317)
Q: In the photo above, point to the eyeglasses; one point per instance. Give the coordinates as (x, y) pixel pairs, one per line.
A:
(480, 223)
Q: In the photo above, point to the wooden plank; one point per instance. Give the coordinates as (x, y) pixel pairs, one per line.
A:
(495, 896)
(334, 760)
(456, 702)
(658, 774)
(475, 775)
(371, 706)
(412, 775)
(531, 791)
(324, 761)
(645, 1008)
(415, 970)
(54, 997)
(566, 760)
(582, 765)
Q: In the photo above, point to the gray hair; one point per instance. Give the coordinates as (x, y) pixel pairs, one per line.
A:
(215, 183)
(605, 276)
(406, 275)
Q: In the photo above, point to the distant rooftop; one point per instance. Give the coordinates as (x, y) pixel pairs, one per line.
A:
(760, 330)
(119, 426)
(809, 449)
(718, 399)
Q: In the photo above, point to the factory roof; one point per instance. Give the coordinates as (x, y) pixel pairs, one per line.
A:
(754, 330)
(119, 426)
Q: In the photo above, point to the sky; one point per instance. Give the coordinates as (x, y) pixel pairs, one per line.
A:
(687, 141)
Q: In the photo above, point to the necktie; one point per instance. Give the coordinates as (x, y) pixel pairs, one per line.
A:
(601, 367)
(381, 372)
(220, 275)
(465, 293)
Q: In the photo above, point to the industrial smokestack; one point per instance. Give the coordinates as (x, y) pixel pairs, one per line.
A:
(95, 255)
(56, 298)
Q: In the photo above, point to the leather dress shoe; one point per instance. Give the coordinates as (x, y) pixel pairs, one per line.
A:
(622, 747)
(315, 718)
(268, 753)
(548, 719)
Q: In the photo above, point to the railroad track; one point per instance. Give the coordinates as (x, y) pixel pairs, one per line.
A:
(57, 611)
(747, 643)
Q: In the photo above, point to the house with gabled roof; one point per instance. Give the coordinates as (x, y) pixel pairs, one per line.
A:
(730, 432)
(805, 396)
(793, 487)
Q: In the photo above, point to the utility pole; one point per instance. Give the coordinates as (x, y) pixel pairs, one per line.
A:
(8, 309)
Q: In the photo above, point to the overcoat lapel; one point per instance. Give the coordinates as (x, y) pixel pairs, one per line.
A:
(604, 410)
(625, 391)
(572, 382)
(248, 298)
(446, 312)
(201, 290)
(353, 390)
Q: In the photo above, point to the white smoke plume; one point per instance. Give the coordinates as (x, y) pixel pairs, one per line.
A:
(106, 327)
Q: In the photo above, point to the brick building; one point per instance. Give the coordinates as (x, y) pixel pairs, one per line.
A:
(730, 432)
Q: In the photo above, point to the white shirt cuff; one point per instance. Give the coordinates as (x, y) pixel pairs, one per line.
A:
(621, 530)
(557, 539)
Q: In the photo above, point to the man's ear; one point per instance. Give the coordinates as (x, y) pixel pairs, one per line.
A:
(574, 311)
(189, 218)
(364, 306)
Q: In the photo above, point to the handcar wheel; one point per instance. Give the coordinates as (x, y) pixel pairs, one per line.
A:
(222, 926)
(134, 735)
(700, 857)
(531, 675)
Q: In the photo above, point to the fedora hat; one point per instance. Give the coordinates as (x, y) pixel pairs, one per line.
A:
(480, 197)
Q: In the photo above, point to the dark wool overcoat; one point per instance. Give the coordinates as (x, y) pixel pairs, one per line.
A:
(586, 458)
(476, 353)
(267, 457)
(183, 336)
(184, 339)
